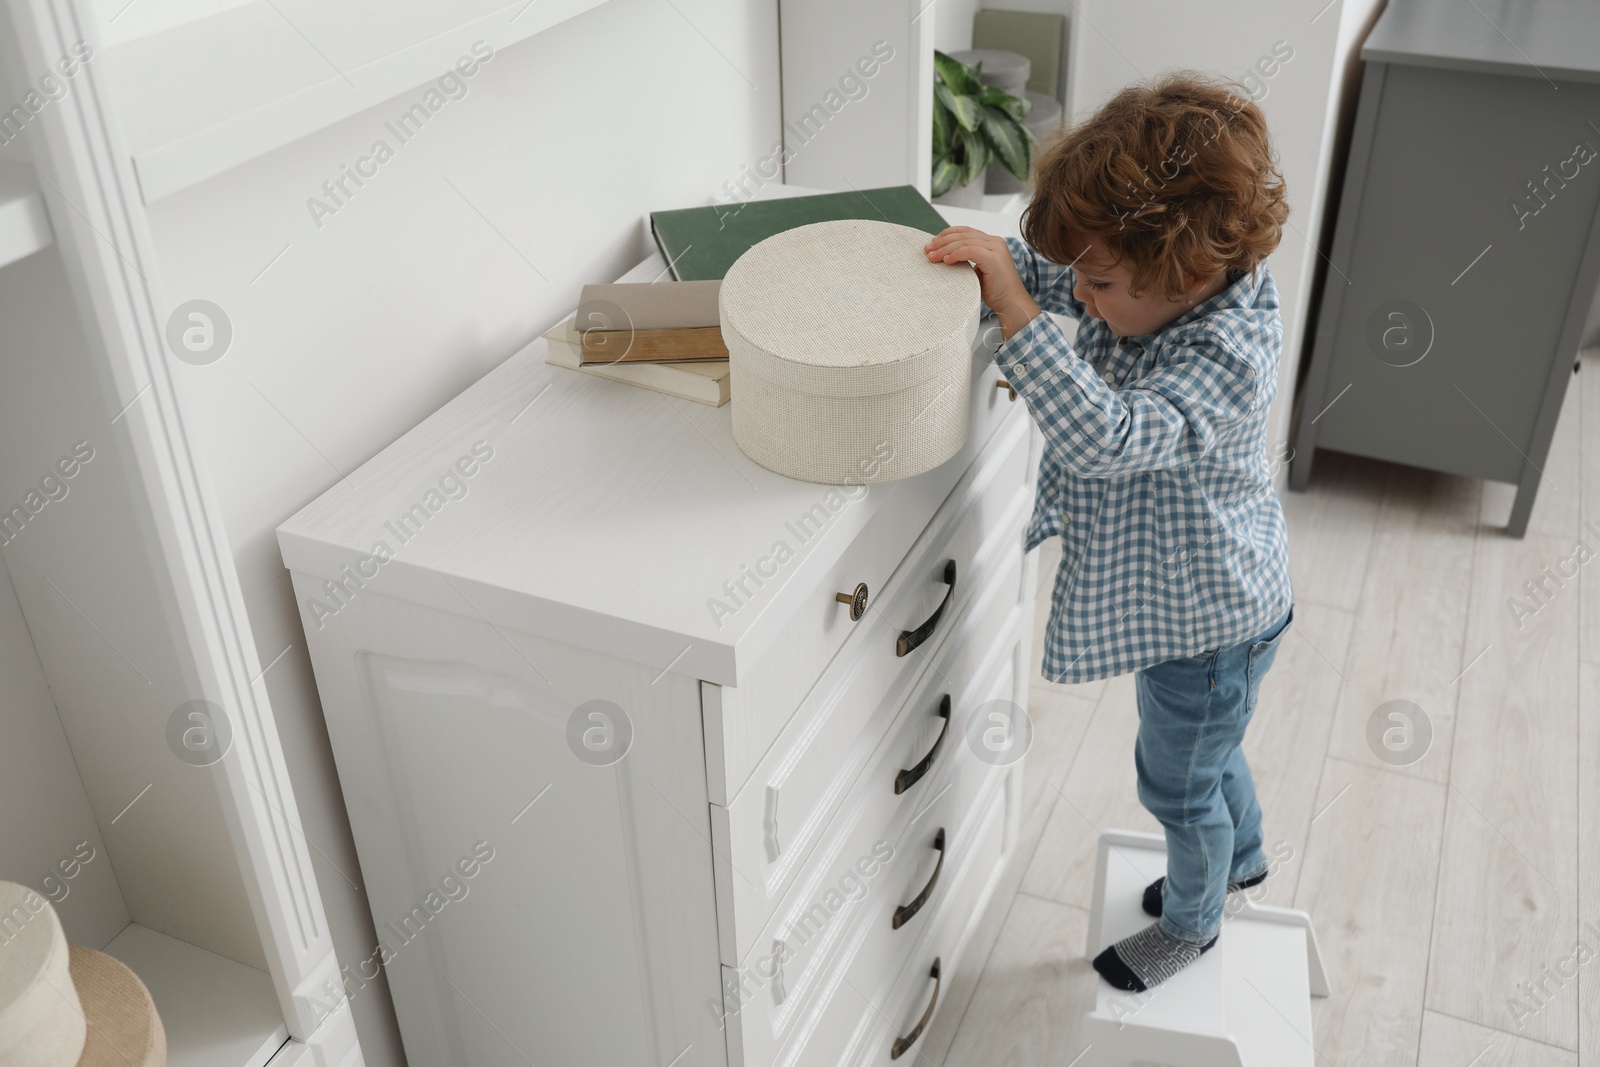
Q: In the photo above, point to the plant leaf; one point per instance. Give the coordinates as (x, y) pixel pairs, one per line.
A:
(966, 109)
(957, 75)
(943, 123)
(1009, 140)
(975, 159)
(993, 94)
(945, 173)
(1017, 106)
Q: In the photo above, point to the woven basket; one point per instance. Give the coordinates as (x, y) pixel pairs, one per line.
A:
(850, 355)
(124, 1029)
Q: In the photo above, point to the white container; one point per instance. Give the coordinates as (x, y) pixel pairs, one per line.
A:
(1003, 70)
(850, 353)
(41, 1018)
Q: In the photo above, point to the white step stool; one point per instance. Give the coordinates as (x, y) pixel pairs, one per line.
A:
(1245, 1003)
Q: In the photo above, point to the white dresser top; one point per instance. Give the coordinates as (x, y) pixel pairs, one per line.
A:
(607, 518)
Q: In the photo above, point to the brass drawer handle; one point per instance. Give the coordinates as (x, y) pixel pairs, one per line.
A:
(910, 639)
(1001, 383)
(906, 912)
(900, 1045)
(912, 775)
(857, 599)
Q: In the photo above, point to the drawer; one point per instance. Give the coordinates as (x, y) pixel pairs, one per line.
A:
(743, 721)
(900, 1021)
(864, 1006)
(888, 858)
(764, 839)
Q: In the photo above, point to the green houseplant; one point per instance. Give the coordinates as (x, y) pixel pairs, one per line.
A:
(974, 125)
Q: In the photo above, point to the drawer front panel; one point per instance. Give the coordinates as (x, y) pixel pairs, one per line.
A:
(842, 920)
(765, 837)
(751, 715)
(866, 1010)
(903, 1018)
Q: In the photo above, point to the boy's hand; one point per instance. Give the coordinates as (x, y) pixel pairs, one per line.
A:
(1002, 287)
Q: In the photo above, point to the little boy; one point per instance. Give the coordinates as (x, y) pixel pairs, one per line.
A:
(1150, 224)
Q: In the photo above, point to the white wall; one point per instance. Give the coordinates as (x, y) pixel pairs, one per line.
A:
(1115, 42)
(952, 23)
(120, 21)
(474, 238)
(834, 138)
(47, 811)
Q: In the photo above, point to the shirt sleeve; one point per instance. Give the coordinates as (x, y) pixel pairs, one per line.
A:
(1166, 419)
(1049, 283)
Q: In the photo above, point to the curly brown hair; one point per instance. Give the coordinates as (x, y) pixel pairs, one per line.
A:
(1177, 178)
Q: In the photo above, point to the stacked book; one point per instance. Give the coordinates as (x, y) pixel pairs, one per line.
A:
(663, 336)
(666, 336)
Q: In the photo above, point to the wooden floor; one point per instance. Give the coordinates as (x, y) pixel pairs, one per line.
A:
(1445, 889)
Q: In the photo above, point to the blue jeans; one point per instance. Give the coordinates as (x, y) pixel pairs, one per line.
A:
(1193, 777)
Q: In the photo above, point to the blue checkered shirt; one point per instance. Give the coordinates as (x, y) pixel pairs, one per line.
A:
(1155, 474)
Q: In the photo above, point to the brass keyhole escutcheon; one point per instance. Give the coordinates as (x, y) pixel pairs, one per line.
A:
(1001, 383)
(857, 599)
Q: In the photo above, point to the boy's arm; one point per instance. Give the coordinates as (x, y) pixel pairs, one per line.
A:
(1167, 419)
(1050, 284)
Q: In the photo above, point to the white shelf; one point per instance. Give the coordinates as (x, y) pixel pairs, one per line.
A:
(216, 1012)
(24, 224)
(206, 96)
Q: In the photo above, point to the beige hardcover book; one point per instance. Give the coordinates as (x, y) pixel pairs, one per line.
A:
(649, 305)
(704, 382)
(682, 345)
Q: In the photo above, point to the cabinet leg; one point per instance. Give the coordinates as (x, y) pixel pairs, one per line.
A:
(1522, 507)
(1304, 449)
(1300, 467)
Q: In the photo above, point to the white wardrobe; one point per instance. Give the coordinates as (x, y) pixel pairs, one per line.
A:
(141, 779)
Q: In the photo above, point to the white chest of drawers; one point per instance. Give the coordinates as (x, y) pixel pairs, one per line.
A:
(627, 783)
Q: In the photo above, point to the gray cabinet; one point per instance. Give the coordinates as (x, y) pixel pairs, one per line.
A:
(1466, 250)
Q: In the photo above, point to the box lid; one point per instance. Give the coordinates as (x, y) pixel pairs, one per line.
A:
(847, 308)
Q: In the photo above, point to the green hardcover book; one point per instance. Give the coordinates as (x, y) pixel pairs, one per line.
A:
(701, 243)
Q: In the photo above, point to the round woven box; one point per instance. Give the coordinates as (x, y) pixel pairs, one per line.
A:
(123, 1027)
(850, 354)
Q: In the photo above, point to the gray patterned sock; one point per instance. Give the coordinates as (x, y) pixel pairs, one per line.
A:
(1147, 959)
(1152, 892)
